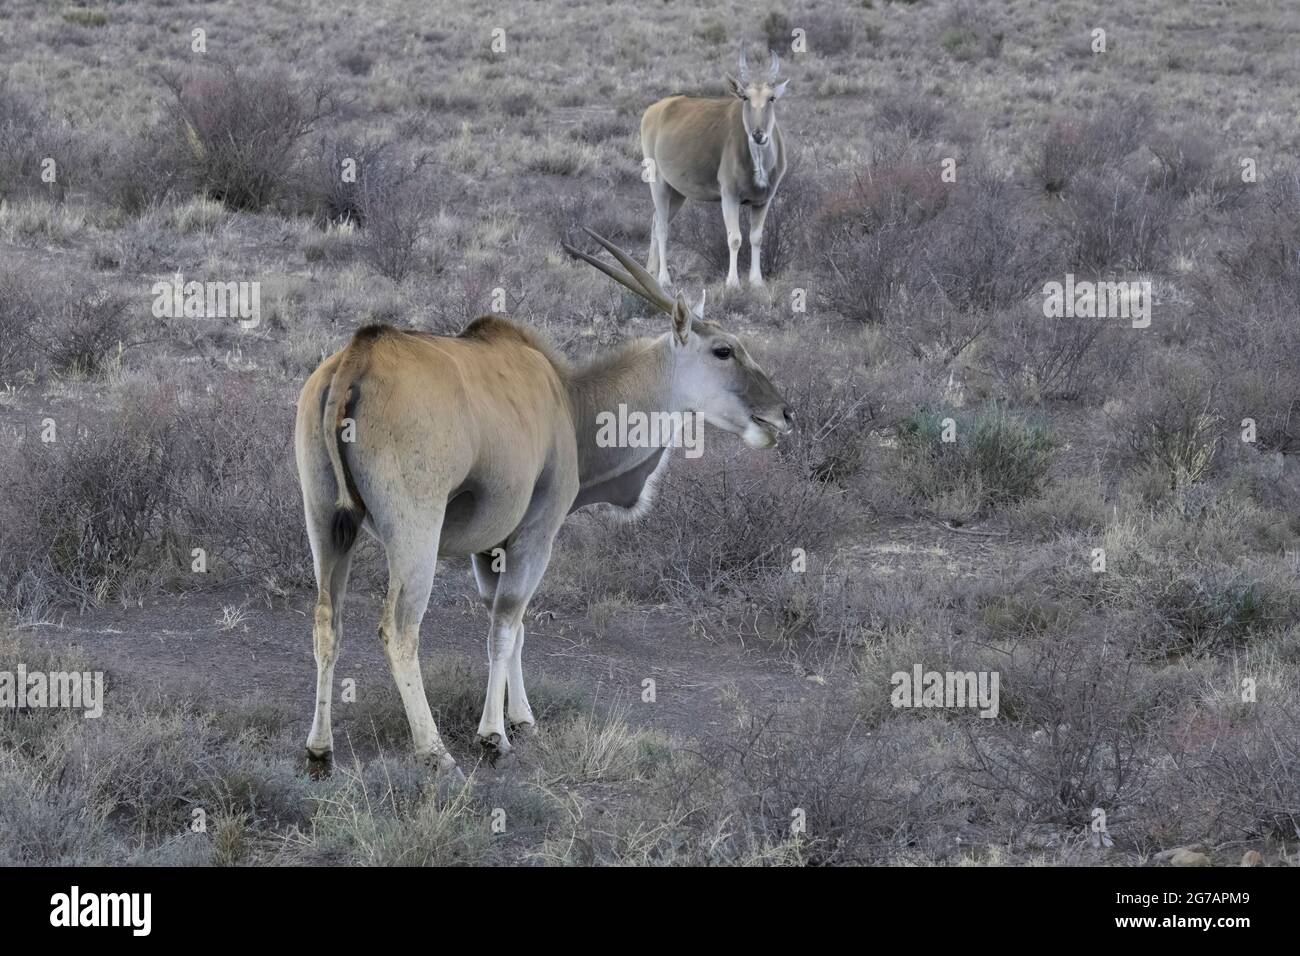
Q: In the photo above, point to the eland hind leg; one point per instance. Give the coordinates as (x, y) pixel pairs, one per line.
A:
(332, 566)
(331, 561)
(412, 558)
(668, 202)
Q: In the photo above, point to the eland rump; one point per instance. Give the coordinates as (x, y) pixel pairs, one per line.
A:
(724, 149)
(461, 445)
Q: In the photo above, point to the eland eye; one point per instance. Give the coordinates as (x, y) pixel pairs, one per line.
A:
(722, 351)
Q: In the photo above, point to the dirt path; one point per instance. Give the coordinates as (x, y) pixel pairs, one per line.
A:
(242, 644)
(180, 642)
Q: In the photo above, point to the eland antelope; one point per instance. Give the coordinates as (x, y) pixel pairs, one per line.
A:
(464, 445)
(712, 149)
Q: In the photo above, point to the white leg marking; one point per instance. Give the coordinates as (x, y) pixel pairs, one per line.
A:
(659, 192)
(501, 642)
(320, 742)
(517, 698)
(731, 216)
(757, 216)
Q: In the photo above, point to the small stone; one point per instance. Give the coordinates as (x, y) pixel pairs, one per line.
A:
(1189, 858)
(1164, 856)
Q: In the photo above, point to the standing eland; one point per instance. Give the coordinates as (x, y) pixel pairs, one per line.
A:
(726, 148)
(487, 440)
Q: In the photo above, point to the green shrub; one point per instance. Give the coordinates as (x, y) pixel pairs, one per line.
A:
(991, 461)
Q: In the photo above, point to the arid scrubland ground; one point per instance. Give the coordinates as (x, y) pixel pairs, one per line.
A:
(1106, 532)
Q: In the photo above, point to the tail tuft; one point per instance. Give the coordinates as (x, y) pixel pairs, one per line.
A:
(347, 522)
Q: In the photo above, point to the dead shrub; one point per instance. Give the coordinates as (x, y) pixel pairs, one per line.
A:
(966, 34)
(1057, 359)
(1076, 734)
(151, 167)
(1207, 607)
(911, 113)
(1110, 223)
(1189, 164)
(69, 326)
(20, 313)
(862, 797)
(1253, 775)
(121, 502)
(86, 328)
(29, 140)
(84, 512)
(967, 255)
(1074, 146)
(332, 190)
(835, 409)
(395, 204)
(1172, 423)
(243, 130)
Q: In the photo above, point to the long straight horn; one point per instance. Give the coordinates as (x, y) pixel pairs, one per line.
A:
(636, 278)
(774, 70)
(744, 68)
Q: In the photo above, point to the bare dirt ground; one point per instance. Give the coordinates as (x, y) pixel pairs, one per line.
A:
(178, 641)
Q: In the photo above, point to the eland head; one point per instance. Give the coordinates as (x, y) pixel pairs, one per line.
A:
(758, 97)
(714, 375)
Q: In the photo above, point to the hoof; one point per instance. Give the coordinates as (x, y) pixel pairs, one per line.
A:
(445, 768)
(496, 746)
(320, 763)
(449, 773)
(526, 729)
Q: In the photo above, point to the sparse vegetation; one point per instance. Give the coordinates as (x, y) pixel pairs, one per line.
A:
(1112, 527)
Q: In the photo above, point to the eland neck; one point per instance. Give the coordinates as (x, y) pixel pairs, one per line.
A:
(763, 158)
(639, 377)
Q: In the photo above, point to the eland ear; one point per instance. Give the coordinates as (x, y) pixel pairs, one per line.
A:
(682, 318)
(778, 91)
(734, 87)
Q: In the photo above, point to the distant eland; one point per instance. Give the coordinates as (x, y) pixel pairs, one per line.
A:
(724, 149)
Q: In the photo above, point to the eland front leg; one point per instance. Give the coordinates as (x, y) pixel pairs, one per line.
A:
(527, 553)
(757, 215)
(731, 216)
(518, 712)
